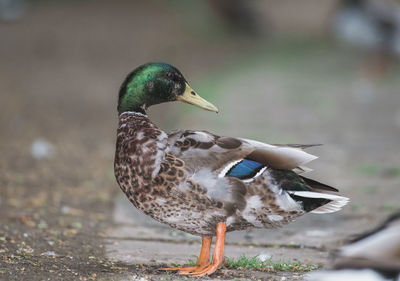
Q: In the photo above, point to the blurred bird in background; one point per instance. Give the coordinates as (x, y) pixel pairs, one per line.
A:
(375, 26)
(12, 10)
(374, 255)
(237, 15)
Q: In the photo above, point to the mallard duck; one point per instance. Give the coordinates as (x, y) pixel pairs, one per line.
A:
(374, 255)
(375, 26)
(202, 183)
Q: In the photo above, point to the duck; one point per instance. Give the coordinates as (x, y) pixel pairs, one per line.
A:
(202, 183)
(373, 255)
(372, 25)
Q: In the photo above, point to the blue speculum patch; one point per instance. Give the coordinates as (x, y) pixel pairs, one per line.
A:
(245, 169)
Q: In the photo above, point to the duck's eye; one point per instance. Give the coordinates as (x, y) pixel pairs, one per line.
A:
(170, 75)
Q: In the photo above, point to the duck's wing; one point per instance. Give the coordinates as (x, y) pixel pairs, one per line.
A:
(224, 165)
(201, 149)
(238, 173)
(281, 156)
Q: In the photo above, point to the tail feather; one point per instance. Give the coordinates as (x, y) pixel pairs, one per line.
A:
(301, 146)
(318, 185)
(302, 170)
(319, 203)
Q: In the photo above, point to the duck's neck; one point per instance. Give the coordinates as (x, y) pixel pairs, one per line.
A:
(132, 97)
(140, 144)
(139, 110)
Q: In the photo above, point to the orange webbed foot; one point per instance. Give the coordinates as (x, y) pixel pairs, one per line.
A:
(184, 269)
(176, 268)
(207, 270)
(203, 266)
(204, 260)
(218, 257)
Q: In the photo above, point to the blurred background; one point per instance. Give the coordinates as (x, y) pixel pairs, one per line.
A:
(279, 71)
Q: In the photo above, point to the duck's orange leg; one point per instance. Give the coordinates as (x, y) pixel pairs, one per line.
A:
(204, 259)
(218, 257)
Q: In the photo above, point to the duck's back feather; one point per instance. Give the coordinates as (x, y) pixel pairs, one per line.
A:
(226, 164)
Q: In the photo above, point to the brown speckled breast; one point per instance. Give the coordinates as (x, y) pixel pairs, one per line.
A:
(157, 182)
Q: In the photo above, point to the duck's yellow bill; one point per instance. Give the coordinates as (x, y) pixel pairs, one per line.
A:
(190, 96)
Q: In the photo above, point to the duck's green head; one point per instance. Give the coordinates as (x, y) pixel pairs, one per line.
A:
(154, 83)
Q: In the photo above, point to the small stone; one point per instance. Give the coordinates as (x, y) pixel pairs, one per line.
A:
(42, 224)
(50, 254)
(41, 148)
(264, 257)
(65, 209)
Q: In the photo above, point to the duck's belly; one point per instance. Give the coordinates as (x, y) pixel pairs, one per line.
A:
(194, 212)
(202, 220)
(182, 215)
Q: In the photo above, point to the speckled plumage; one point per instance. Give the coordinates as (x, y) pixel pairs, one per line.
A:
(176, 179)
